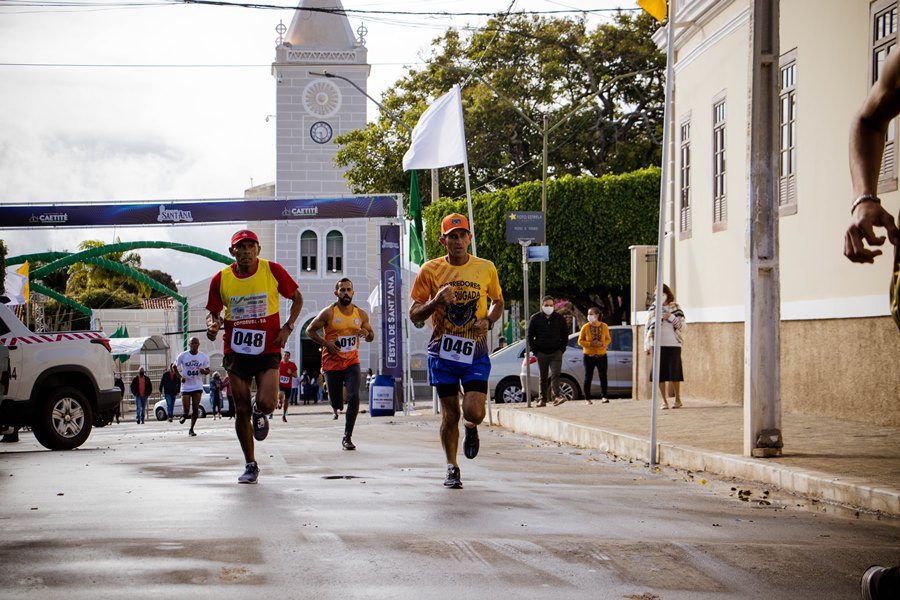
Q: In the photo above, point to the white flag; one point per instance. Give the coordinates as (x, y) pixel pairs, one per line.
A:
(438, 139)
(375, 298)
(15, 287)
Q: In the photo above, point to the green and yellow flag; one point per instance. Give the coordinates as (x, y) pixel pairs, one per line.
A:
(416, 240)
(656, 8)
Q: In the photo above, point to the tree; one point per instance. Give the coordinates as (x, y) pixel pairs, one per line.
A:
(98, 287)
(540, 66)
(163, 278)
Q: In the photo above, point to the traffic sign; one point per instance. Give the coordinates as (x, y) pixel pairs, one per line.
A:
(538, 253)
(525, 225)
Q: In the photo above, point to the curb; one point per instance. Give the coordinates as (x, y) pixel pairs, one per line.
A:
(856, 493)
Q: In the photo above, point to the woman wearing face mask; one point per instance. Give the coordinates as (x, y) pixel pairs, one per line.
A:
(671, 338)
(593, 339)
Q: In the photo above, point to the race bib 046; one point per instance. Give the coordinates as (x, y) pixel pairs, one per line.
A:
(457, 349)
(248, 341)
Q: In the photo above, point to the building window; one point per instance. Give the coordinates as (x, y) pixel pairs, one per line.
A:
(334, 252)
(684, 225)
(309, 252)
(883, 39)
(720, 207)
(787, 169)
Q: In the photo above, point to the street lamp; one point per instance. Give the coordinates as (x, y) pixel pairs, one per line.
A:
(383, 108)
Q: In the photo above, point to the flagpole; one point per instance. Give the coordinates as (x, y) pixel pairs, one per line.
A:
(661, 239)
(409, 388)
(466, 171)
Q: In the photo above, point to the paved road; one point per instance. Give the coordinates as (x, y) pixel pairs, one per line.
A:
(147, 512)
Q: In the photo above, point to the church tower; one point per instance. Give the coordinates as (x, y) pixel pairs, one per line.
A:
(313, 110)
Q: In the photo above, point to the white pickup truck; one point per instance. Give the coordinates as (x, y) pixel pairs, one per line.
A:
(59, 384)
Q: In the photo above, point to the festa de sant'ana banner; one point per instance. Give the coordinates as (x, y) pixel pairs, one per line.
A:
(193, 212)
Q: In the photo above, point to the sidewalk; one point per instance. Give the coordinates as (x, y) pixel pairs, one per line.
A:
(852, 464)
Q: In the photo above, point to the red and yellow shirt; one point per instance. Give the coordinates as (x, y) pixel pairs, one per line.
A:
(252, 321)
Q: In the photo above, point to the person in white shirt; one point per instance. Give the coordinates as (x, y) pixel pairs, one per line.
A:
(192, 365)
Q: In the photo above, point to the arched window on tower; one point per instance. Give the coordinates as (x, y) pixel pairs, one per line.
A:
(334, 252)
(309, 252)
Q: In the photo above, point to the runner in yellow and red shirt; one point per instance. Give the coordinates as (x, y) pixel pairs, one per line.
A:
(249, 292)
(453, 290)
(344, 324)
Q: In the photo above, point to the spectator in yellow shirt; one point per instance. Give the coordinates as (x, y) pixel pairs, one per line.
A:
(593, 339)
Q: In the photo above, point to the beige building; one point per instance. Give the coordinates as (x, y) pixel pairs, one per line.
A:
(839, 347)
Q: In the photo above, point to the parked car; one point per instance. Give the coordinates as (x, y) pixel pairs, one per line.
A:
(159, 409)
(504, 383)
(618, 370)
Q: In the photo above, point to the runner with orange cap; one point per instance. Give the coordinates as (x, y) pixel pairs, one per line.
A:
(453, 290)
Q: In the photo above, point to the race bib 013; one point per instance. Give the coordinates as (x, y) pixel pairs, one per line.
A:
(347, 343)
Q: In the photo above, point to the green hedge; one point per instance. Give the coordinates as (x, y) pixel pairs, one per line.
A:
(591, 222)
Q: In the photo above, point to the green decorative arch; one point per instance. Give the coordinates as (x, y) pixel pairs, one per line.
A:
(61, 260)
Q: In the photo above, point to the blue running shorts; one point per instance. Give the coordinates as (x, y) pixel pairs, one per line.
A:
(450, 372)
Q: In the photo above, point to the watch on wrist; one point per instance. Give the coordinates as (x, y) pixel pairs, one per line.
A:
(288, 326)
(864, 198)
(490, 323)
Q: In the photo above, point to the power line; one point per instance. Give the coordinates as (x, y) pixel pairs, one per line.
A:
(336, 11)
(172, 66)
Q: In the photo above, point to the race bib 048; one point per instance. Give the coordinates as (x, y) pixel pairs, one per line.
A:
(457, 349)
(248, 341)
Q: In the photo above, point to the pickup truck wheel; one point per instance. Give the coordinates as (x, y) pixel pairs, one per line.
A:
(63, 419)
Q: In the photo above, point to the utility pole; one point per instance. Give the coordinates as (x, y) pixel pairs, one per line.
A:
(762, 324)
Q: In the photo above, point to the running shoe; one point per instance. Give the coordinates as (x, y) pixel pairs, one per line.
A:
(191, 433)
(347, 444)
(283, 419)
(471, 443)
(251, 473)
(453, 480)
(181, 421)
(869, 582)
(260, 425)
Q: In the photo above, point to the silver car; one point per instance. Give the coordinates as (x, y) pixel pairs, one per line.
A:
(504, 384)
(618, 371)
(159, 409)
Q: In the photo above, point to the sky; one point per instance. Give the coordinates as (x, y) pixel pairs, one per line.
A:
(130, 100)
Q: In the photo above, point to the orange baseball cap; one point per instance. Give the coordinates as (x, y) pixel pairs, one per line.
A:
(243, 234)
(454, 221)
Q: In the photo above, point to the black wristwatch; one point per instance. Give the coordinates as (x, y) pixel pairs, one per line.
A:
(289, 326)
(490, 324)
